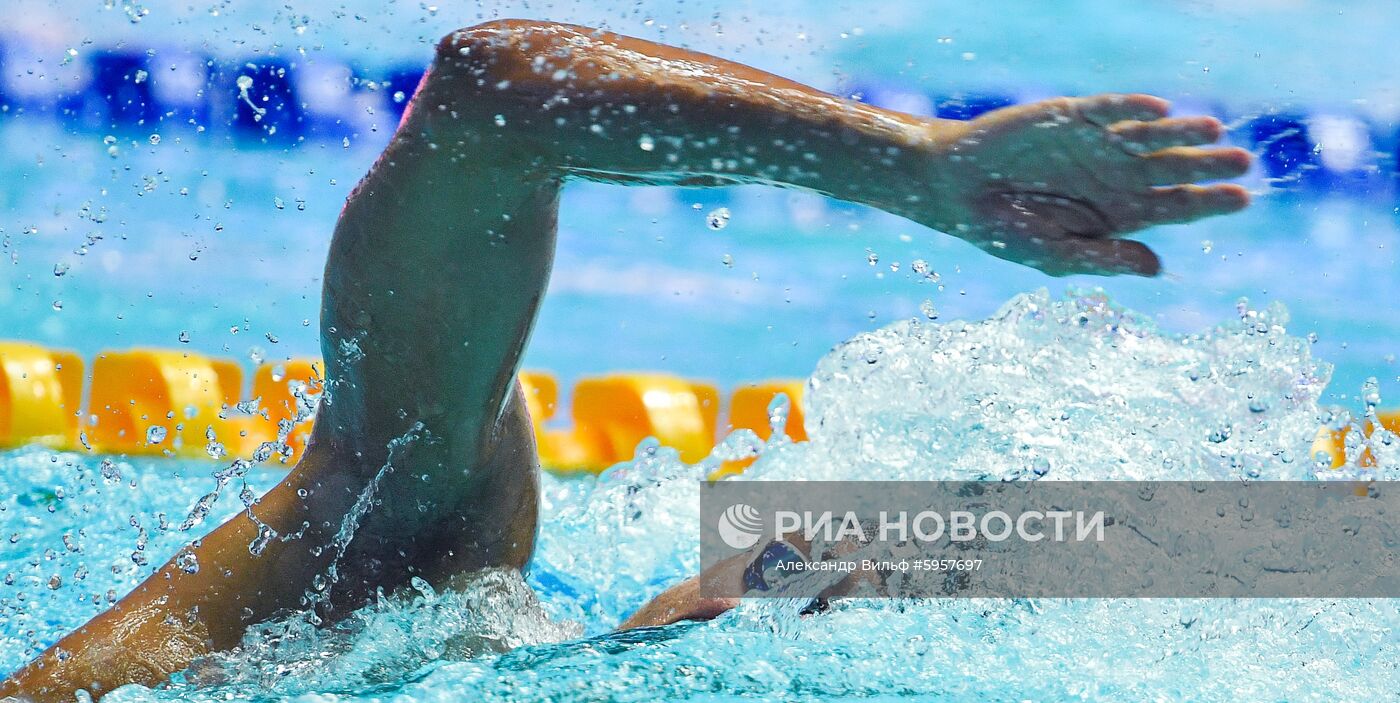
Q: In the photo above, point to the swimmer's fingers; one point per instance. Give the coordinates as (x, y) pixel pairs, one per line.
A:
(1140, 137)
(1098, 110)
(1184, 203)
(1107, 109)
(1066, 256)
(1185, 164)
(1100, 257)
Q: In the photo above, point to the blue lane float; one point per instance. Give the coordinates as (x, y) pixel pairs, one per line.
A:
(967, 106)
(259, 100)
(121, 90)
(1284, 148)
(279, 101)
(402, 80)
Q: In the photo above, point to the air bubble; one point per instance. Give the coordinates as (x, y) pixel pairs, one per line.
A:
(718, 218)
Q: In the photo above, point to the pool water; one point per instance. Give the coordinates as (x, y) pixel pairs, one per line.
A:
(215, 243)
(1070, 387)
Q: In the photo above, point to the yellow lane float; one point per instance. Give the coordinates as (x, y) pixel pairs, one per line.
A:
(162, 402)
(1333, 442)
(276, 386)
(41, 395)
(748, 409)
(613, 413)
(152, 401)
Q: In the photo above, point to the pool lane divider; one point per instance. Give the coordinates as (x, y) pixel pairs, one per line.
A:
(131, 91)
(40, 395)
(160, 402)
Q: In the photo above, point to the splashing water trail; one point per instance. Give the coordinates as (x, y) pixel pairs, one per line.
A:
(245, 83)
(1046, 389)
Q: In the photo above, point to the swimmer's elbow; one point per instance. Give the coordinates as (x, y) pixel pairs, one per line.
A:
(503, 54)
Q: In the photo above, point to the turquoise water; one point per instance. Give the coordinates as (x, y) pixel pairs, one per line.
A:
(187, 238)
(1076, 384)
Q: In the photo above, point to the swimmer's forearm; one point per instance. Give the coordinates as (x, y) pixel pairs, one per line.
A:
(598, 105)
(179, 613)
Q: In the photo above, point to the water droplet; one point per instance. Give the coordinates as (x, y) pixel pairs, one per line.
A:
(422, 586)
(1221, 434)
(155, 434)
(1371, 393)
(154, 139)
(187, 562)
(110, 473)
(399, 96)
(500, 120)
(718, 218)
(646, 143)
(928, 309)
(1207, 246)
(1040, 466)
(184, 337)
(60, 269)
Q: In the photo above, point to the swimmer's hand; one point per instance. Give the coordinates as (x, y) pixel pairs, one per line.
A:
(680, 602)
(1055, 184)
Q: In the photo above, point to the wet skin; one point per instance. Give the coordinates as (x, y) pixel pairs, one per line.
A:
(442, 254)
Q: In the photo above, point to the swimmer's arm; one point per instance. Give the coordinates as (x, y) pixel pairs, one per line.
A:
(694, 599)
(1051, 185)
(596, 105)
(687, 600)
(179, 613)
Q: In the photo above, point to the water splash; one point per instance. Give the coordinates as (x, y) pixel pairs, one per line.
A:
(401, 637)
(1047, 389)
